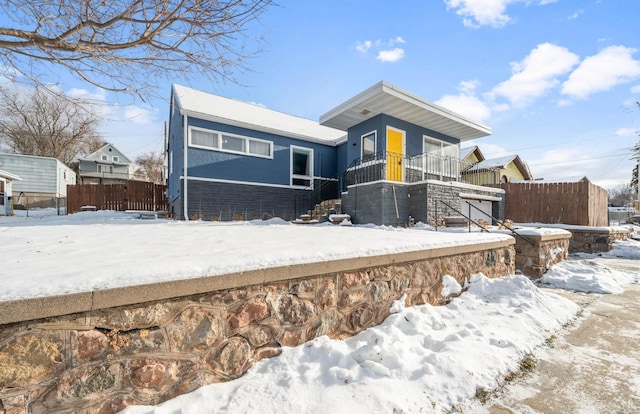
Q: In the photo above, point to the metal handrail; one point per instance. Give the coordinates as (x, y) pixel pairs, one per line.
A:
(459, 212)
(475, 222)
(497, 220)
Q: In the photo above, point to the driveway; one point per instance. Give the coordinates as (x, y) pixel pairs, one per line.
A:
(591, 367)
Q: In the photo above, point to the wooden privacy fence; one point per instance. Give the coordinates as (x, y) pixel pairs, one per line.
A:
(579, 203)
(132, 195)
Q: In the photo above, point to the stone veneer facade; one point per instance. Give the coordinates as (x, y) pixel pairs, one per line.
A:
(391, 203)
(101, 361)
(536, 253)
(597, 239)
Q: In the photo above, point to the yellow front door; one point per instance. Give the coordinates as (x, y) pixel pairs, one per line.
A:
(395, 153)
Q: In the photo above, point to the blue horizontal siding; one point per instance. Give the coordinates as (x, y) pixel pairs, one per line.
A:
(205, 163)
(413, 137)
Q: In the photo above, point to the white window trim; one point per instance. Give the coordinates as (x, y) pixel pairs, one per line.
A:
(440, 169)
(375, 142)
(442, 145)
(115, 158)
(220, 149)
(104, 157)
(293, 176)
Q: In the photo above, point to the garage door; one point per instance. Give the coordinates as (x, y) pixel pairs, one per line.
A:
(484, 206)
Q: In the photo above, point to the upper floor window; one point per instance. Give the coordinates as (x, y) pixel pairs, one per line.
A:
(440, 148)
(218, 141)
(368, 146)
(116, 158)
(104, 157)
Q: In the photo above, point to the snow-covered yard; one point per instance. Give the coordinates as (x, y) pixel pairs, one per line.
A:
(421, 359)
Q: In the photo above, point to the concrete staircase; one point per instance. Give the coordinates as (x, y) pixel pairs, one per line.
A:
(320, 212)
(323, 208)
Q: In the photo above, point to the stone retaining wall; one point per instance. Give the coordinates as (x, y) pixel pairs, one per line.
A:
(597, 239)
(103, 360)
(538, 252)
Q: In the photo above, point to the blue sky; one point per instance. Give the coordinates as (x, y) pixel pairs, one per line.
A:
(557, 81)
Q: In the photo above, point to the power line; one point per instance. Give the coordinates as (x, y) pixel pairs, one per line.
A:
(580, 160)
(558, 144)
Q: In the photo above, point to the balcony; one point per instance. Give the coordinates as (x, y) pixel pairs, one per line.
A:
(391, 166)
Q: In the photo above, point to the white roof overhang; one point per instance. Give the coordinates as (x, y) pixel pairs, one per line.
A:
(10, 176)
(384, 98)
(215, 108)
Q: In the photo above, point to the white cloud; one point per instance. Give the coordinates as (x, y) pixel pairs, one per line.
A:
(392, 55)
(612, 66)
(575, 15)
(624, 132)
(386, 50)
(535, 74)
(476, 13)
(139, 115)
(466, 103)
(363, 47)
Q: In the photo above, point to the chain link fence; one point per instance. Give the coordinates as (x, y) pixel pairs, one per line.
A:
(26, 205)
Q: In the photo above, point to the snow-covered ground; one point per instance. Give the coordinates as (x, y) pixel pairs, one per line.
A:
(82, 252)
(421, 359)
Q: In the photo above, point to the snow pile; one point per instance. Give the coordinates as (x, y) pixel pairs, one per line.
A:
(588, 273)
(587, 276)
(421, 359)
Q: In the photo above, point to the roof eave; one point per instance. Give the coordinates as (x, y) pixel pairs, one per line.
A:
(446, 122)
(9, 176)
(256, 127)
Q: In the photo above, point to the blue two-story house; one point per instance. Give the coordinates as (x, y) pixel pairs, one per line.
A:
(386, 153)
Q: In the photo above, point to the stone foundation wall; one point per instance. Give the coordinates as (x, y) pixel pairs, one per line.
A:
(391, 203)
(533, 260)
(596, 240)
(104, 360)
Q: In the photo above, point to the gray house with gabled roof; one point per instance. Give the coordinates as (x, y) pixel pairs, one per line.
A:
(108, 165)
(386, 153)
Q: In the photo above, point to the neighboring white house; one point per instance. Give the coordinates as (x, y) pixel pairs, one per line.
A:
(6, 179)
(105, 166)
(39, 176)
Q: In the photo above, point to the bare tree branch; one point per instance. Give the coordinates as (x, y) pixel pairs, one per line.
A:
(128, 45)
(151, 167)
(39, 123)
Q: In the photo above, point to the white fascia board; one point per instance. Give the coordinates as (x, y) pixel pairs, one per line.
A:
(248, 125)
(355, 101)
(472, 196)
(431, 107)
(10, 176)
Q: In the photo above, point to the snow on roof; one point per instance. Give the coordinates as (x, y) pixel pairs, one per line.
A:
(500, 162)
(465, 152)
(216, 108)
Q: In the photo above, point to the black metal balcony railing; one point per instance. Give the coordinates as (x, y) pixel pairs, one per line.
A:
(409, 169)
